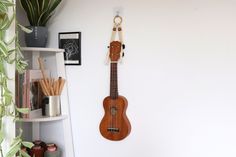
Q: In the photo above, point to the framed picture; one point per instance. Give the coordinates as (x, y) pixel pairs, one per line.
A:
(71, 42)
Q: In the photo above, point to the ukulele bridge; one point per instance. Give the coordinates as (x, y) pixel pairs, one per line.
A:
(113, 130)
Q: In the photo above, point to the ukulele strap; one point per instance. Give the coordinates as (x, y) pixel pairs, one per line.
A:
(117, 29)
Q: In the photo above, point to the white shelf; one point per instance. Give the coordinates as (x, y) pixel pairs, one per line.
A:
(43, 119)
(41, 49)
(54, 61)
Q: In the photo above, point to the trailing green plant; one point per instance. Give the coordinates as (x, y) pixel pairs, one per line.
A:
(10, 54)
(39, 11)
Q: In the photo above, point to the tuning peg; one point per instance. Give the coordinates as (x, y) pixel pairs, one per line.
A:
(123, 46)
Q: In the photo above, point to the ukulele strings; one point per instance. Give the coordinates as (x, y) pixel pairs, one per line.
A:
(116, 88)
(112, 94)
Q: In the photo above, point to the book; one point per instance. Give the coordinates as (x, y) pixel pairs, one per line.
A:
(20, 90)
(29, 93)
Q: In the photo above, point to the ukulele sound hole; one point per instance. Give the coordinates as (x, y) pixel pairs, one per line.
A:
(114, 130)
(113, 111)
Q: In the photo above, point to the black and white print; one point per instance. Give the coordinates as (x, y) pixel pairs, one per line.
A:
(71, 42)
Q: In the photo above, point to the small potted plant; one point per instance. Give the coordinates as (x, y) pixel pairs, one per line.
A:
(38, 13)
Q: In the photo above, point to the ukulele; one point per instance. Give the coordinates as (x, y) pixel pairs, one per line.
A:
(115, 125)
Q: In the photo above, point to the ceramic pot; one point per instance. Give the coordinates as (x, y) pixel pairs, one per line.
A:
(37, 38)
(37, 151)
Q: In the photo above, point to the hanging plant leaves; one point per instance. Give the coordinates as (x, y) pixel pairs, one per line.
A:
(21, 65)
(13, 150)
(15, 147)
(11, 41)
(3, 20)
(27, 30)
(7, 23)
(7, 3)
(6, 95)
(1, 136)
(7, 98)
(27, 144)
(23, 110)
(3, 49)
(3, 8)
(24, 154)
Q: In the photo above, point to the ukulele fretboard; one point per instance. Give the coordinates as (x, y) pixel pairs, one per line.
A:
(113, 81)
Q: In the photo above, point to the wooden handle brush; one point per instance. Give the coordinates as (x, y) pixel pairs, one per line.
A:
(50, 86)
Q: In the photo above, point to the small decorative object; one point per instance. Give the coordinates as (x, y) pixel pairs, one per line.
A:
(38, 12)
(71, 42)
(52, 151)
(40, 143)
(37, 151)
(51, 147)
(52, 106)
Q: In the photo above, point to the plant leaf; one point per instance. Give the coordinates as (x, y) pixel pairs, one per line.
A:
(15, 147)
(45, 5)
(1, 136)
(21, 65)
(40, 19)
(35, 9)
(3, 8)
(8, 23)
(3, 49)
(27, 30)
(8, 98)
(3, 20)
(11, 41)
(27, 144)
(24, 154)
(27, 6)
(7, 3)
(45, 20)
(23, 110)
(13, 150)
(53, 5)
(16, 118)
(19, 134)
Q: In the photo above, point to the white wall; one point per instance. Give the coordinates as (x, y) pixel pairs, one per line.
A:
(179, 76)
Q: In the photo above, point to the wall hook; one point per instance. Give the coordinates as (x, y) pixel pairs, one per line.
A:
(117, 20)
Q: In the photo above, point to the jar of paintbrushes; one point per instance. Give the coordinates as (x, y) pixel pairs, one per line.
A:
(52, 89)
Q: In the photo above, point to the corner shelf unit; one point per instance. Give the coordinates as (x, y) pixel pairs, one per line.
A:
(50, 129)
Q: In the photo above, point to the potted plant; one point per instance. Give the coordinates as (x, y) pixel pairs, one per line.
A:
(38, 13)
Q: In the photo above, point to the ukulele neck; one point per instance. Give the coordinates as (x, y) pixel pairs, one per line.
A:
(113, 81)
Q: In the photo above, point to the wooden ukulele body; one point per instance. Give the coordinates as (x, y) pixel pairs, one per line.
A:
(115, 125)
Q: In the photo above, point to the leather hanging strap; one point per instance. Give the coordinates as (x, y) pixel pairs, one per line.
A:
(117, 29)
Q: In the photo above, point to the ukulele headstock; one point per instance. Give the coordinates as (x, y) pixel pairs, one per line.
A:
(115, 49)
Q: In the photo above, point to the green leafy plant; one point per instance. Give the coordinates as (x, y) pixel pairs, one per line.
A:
(39, 11)
(10, 54)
